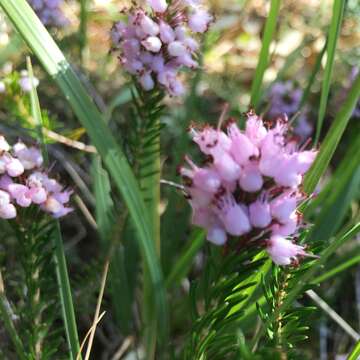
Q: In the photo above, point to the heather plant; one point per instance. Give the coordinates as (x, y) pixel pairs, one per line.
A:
(179, 180)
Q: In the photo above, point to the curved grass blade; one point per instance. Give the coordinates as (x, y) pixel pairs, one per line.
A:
(67, 306)
(355, 354)
(181, 267)
(332, 138)
(54, 62)
(337, 15)
(262, 64)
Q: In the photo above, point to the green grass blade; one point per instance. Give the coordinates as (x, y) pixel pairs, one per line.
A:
(332, 138)
(262, 64)
(67, 306)
(337, 15)
(344, 265)
(335, 206)
(355, 354)
(312, 77)
(54, 62)
(181, 267)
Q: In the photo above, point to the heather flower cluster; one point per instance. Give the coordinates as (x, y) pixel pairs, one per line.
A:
(24, 183)
(155, 45)
(285, 98)
(250, 185)
(49, 12)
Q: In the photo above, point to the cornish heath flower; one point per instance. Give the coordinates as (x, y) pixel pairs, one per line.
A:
(23, 182)
(154, 45)
(250, 185)
(49, 12)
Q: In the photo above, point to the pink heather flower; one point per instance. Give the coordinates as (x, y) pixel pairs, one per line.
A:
(167, 33)
(216, 235)
(288, 227)
(283, 206)
(232, 215)
(20, 193)
(249, 185)
(25, 82)
(154, 46)
(199, 20)
(205, 179)
(23, 184)
(29, 157)
(37, 194)
(4, 146)
(250, 178)
(13, 166)
(283, 251)
(152, 43)
(159, 6)
(259, 214)
(149, 26)
(7, 210)
(147, 81)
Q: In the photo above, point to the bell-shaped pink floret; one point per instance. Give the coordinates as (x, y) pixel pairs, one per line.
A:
(38, 195)
(242, 149)
(146, 81)
(287, 173)
(227, 168)
(5, 181)
(30, 157)
(210, 140)
(13, 166)
(20, 193)
(283, 251)
(203, 178)
(176, 48)
(199, 20)
(283, 206)
(167, 33)
(4, 146)
(191, 44)
(251, 179)
(271, 155)
(305, 160)
(216, 235)
(186, 60)
(255, 129)
(287, 228)
(152, 43)
(149, 26)
(158, 5)
(259, 214)
(7, 210)
(232, 215)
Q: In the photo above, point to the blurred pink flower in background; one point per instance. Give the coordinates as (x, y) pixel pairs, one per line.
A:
(153, 46)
